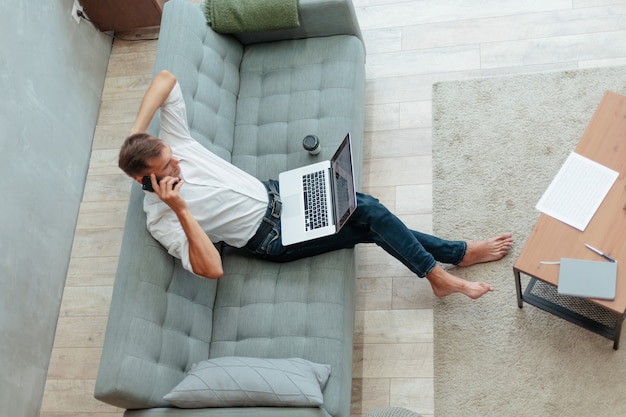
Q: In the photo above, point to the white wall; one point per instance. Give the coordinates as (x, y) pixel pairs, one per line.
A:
(52, 71)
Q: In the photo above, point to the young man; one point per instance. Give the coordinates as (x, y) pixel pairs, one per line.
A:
(199, 199)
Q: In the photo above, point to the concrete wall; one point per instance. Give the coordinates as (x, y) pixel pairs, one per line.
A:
(52, 71)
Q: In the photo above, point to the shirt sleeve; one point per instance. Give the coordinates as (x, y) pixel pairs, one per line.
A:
(173, 117)
(166, 229)
(180, 249)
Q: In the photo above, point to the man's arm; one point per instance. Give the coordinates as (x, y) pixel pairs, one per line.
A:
(155, 96)
(204, 257)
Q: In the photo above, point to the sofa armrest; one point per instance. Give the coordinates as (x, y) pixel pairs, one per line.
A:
(317, 18)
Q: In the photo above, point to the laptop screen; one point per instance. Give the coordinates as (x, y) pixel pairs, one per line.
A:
(344, 188)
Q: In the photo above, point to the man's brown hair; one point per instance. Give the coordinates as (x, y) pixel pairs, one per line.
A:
(136, 151)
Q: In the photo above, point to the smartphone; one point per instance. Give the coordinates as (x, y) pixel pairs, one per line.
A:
(147, 183)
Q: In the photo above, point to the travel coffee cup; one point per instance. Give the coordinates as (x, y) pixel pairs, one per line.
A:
(311, 144)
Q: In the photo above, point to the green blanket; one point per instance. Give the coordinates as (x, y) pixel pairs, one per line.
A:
(239, 16)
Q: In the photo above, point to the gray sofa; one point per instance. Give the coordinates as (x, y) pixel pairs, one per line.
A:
(250, 99)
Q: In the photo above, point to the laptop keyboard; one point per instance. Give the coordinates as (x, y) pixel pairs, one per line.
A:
(315, 203)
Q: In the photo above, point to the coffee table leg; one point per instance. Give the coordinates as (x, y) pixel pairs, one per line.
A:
(518, 288)
(618, 331)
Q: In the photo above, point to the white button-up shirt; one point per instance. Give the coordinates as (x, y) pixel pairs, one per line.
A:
(228, 203)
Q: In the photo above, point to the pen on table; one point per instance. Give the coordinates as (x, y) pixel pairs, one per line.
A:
(599, 252)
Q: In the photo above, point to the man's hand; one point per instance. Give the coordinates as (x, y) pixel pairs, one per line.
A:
(167, 189)
(203, 255)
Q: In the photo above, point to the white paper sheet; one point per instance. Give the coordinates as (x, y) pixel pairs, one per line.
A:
(577, 191)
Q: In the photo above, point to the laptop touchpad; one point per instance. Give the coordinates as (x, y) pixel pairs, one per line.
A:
(290, 206)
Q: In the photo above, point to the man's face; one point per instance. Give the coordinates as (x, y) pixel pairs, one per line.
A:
(165, 165)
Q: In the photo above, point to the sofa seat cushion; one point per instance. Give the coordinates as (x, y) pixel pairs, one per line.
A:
(289, 89)
(289, 310)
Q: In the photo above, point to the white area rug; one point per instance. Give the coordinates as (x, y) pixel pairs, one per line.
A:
(497, 144)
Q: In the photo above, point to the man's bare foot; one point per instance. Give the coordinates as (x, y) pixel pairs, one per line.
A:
(444, 284)
(487, 250)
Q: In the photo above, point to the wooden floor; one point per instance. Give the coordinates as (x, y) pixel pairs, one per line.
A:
(410, 45)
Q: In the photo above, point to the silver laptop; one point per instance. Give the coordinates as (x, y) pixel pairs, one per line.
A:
(318, 199)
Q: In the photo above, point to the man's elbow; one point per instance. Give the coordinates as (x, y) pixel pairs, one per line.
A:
(166, 76)
(210, 273)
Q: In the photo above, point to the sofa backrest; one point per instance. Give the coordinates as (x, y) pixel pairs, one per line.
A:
(206, 65)
(160, 320)
(161, 316)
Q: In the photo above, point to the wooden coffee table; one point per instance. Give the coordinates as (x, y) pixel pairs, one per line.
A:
(603, 141)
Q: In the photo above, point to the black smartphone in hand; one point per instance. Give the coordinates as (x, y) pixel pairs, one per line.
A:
(147, 183)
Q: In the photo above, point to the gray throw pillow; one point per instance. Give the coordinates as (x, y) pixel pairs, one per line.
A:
(247, 382)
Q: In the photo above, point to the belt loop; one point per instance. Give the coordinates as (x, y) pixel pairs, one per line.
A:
(271, 188)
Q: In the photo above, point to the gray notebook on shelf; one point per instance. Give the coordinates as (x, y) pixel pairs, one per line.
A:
(589, 279)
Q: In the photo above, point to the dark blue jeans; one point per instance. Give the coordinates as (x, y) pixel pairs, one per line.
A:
(372, 222)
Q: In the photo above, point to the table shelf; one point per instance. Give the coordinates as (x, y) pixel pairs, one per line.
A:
(577, 310)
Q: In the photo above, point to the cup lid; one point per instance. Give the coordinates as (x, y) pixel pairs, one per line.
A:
(310, 142)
